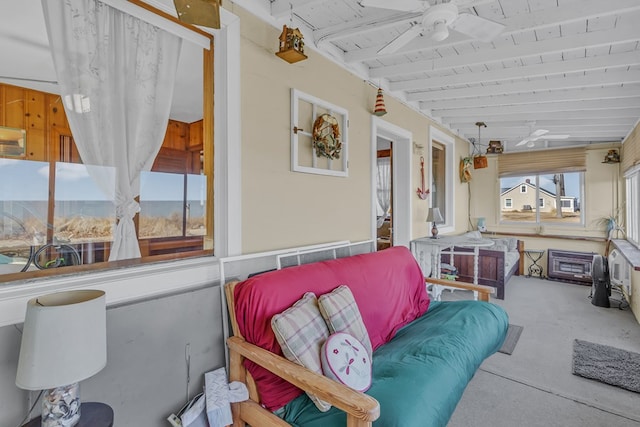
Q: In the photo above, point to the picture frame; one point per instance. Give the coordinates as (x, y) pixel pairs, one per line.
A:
(13, 142)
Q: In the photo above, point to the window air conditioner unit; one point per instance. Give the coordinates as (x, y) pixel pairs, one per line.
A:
(619, 270)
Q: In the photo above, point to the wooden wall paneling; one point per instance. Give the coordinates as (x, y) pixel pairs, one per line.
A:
(195, 135)
(37, 145)
(177, 135)
(56, 116)
(14, 107)
(35, 109)
(172, 161)
(2, 105)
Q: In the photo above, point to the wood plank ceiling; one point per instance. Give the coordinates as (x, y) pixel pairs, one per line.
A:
(570, 67)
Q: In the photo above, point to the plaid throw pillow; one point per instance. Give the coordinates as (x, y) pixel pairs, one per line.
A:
(301, 332)
(341, 313)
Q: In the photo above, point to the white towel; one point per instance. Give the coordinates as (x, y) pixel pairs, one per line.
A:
(220, 394)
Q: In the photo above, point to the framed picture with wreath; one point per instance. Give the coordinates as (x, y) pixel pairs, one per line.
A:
(319, 143)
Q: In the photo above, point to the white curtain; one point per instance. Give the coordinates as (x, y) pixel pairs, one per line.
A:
(384, 188)
(116, 75)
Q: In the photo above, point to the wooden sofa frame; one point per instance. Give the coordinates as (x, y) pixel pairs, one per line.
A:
(361, 409)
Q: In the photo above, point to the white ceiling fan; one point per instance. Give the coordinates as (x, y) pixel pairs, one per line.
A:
(539, 134)
(438, 19)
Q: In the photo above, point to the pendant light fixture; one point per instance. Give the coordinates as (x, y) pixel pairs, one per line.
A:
(479, 160)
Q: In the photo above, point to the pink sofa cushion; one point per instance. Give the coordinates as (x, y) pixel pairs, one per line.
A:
(388, 287)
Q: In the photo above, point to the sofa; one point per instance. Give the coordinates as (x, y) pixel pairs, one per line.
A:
(423, 352)
(496, 263)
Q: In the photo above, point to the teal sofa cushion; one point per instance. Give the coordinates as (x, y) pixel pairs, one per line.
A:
(419, 376)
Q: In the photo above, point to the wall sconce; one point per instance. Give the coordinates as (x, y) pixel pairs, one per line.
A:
(291, 46)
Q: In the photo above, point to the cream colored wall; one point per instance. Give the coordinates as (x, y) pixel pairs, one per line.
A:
(281, 208)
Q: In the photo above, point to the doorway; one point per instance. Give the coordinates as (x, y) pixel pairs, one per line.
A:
(384, 193)
(400, 177)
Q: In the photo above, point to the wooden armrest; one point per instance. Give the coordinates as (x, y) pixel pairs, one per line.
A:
(483, 291)
(358, 404)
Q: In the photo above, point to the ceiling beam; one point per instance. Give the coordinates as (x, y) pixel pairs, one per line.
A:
(534, 98)
(529, 71)
(624, 112)
(566, 13)
(359, 25)
(561, 106)
(602, 79)
(488, 134)
(549, 124)
(620, 34)
(282, 8)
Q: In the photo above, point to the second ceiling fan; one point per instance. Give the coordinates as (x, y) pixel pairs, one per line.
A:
(438, 19)
(539, 134)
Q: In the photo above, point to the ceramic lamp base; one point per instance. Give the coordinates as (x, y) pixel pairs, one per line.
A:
(61, 406)
(434, 231)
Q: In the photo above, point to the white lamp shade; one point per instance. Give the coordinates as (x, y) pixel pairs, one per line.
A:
(434, 215)
(64, 339)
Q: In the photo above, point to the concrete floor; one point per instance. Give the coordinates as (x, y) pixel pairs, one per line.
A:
(534, 386)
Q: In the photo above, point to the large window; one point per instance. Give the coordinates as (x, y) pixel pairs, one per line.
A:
(51, 200)
(551, 198)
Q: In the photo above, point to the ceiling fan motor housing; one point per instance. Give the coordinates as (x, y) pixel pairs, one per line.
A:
(439, 17)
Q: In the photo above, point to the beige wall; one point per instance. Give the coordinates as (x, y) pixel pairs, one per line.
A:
(281, 208)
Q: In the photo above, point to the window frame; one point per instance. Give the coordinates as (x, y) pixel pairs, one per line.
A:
(632, 206)
(538, 207)
(142, 280)
(508, 203)
(448, 142)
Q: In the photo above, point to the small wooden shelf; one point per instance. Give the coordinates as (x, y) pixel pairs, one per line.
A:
(291, 55)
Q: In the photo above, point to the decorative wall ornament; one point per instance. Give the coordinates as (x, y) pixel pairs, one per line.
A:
(422, 192)
(495, 147)
(326, 137)
(612, 157)
(291, 46)
(465, 169)
(379, 109)
(319, 136)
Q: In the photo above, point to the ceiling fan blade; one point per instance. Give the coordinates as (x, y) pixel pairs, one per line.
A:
(476, 27)
(403, 39)
(556, 136)
(524, 141)
(467, 4)
(400, 5)
(539, 132)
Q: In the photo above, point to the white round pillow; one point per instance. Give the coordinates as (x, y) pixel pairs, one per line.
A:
(344, 359)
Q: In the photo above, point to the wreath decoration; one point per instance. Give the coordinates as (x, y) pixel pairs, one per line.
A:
(326, 137)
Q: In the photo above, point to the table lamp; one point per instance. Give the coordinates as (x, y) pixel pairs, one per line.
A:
(434, 216)
(64, 341)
